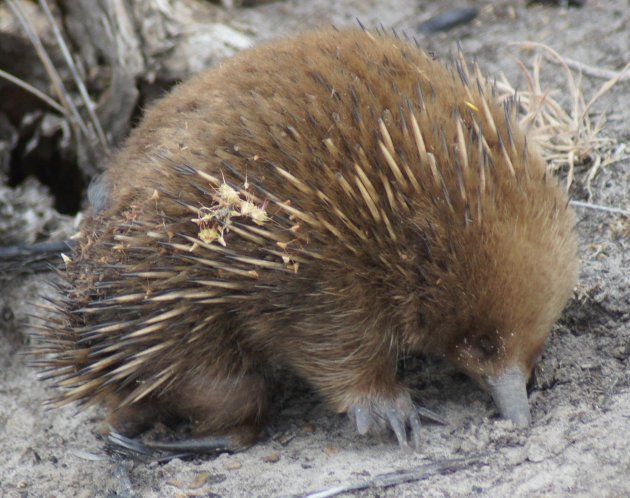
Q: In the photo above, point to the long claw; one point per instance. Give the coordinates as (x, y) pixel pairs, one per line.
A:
(431, 415)
(510, 395)
(394, 417)
(127, 443)
(118, 446)
(362, 418)
(416, 427)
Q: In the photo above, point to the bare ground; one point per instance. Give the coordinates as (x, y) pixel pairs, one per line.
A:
(579, 443)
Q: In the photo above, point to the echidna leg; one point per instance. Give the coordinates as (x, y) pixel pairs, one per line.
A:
(226, 412)
(132, 420)
(366, 387)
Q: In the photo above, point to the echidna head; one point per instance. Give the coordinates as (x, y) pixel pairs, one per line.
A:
(500, 292)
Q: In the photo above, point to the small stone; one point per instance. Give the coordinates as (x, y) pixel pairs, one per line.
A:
(271, 457)
(233, 465)
(200, 480)
(308, 428)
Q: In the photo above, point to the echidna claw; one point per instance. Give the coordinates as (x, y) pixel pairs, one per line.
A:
(431, 415)
(399, 414)
(128, 447)
(416, 427)
(362, 418)
(397, 424)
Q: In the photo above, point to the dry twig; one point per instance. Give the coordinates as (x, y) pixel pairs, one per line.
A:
(66, 104)
(595, 72)
(597, 207)
(35, 91)
(87, 101)
(62, 94)
(395, 478)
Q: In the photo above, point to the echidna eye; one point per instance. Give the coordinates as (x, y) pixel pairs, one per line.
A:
(486, 345)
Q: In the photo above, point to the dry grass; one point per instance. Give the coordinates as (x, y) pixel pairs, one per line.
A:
(568, 138)
(89, 130)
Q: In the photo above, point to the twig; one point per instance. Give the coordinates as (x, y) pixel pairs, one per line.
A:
(75, 74)
(53, 74)
(395, 478)
(595, 72)
(556, 58)
(27, 258)
(26, 250)
(597, 207)
(31, 89)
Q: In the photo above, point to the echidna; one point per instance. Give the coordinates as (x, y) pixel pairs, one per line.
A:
(327, 203)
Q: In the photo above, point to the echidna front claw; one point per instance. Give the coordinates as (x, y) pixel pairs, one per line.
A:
(397, 413)
(362, 418)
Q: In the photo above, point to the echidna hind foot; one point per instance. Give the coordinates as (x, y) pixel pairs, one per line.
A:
(163, 451)
(224, 415)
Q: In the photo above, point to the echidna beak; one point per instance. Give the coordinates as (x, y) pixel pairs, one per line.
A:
(510, 395)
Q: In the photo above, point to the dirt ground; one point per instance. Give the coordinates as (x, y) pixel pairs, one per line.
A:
(579, 442)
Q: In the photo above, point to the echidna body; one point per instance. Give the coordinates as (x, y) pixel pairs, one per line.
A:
(328, 203)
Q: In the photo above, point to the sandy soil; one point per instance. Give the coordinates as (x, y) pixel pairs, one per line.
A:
(579, 443)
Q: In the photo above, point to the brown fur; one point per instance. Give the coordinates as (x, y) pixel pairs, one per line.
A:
(374, 247)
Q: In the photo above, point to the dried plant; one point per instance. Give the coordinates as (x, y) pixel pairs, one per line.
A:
(91, 130)
(567, 138)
